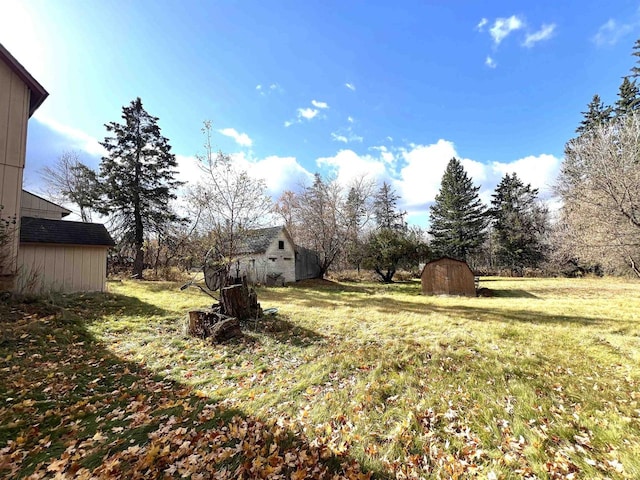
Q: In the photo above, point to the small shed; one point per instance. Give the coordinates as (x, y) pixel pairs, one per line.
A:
(448, 276)
(267, 255)
(63, 256)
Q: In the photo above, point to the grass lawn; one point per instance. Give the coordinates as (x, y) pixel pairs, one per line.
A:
(352, 380)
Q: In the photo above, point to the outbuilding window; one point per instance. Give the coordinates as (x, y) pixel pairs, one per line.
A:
(280, 244)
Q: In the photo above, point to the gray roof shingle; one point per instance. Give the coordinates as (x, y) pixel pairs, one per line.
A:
(257, 241)
(43, 230)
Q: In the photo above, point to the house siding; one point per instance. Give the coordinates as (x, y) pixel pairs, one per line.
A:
(14, 114)
(61, 268)
(34, 206)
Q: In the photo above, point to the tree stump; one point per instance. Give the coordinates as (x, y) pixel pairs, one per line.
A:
(240, 301)
(212, 324)
(226, 329)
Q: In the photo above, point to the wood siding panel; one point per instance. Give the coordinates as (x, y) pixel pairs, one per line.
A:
(34, 206)
(259, 266)
(447, 276)
(14, 114)
(61, 268)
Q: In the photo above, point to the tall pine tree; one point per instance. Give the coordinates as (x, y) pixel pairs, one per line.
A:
(385, 207)
(138, 178)
(635, 70)
(628, 100)
(458, 217)
(519, 222)
(597, 114)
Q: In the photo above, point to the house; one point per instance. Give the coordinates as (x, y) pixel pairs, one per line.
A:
(448, 276)
(267, 256)
(42, 252)
(20, 96)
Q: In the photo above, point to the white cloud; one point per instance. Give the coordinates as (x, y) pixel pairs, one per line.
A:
(265, 90)
(350, 86)
(545, 32)
(307, 113)
(347, 165)
(346, 137)
(502, 27)
(279, 173)
(611, 32)
(188, 169)
(540, 171)
(481, 24)
(421, 175)
(350, 119)
(77, 138)
(490, 62)
(386, 155)
(419, 179)
(241, 139)
(318, 104)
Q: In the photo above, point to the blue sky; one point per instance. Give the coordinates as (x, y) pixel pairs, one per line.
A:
(390, 89)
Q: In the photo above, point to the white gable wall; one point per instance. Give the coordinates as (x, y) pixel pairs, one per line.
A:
(259, 266)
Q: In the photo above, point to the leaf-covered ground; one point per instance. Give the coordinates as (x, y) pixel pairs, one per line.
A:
(348, 380)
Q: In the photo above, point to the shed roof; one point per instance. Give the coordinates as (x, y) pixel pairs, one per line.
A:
(38, 93)
(446, 258)
(258, 240)
(43, 230)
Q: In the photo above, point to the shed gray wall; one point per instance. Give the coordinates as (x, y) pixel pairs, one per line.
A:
(307, 264)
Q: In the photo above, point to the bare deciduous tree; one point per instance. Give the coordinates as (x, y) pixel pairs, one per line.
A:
(320, 222)
(600, 186)
(69, 180)
(227, 202)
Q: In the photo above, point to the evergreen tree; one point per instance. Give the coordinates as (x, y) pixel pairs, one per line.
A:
(597, 114)
(386, 211)
(458, 217)
(391, 244)
(628, 99)
(138, 178)
(355, 215)
(519, 223)
(635, 70)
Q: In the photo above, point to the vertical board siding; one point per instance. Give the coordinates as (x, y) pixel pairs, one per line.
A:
(447, 276)
(61, 268)
(34, 206)
(14, 114)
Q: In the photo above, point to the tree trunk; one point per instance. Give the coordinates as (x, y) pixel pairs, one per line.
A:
(239, 301)
(212, 324)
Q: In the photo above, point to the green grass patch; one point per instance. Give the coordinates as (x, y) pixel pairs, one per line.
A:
(540, 380)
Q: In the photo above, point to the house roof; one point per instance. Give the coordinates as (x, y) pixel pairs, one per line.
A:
(257, 241)
(38, 93)
(43, 230)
